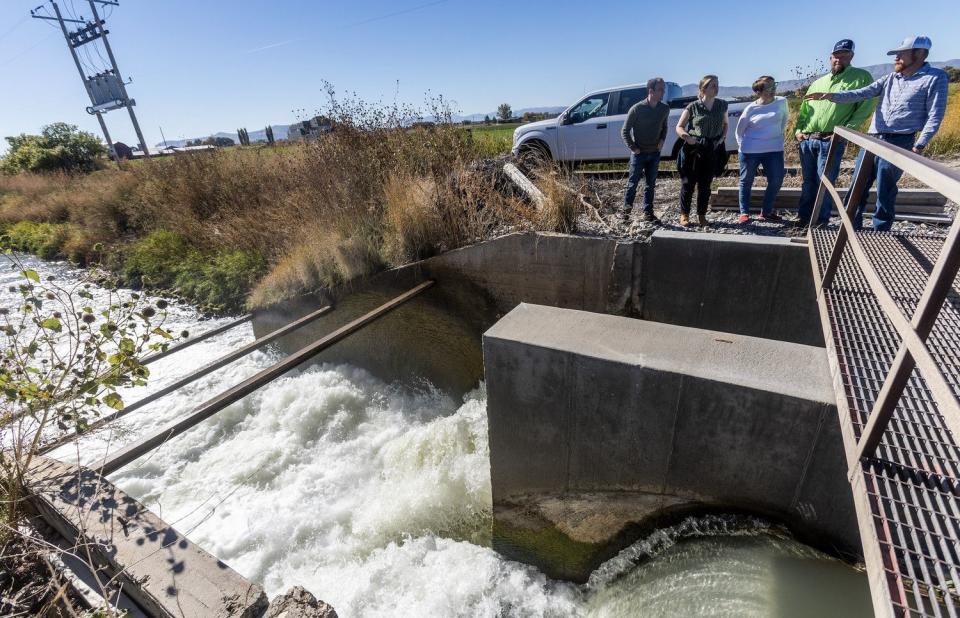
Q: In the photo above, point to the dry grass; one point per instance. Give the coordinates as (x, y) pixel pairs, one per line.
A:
(374, 193)
(947, 140)
(562, 207)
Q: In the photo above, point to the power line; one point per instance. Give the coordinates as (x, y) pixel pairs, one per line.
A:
(29, 49)
(396, 13)
(48, 17)
(93, 67)
(15, 26)
(96, 48)
(72, 10)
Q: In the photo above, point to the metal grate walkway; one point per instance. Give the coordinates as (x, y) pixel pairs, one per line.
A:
(907, 493)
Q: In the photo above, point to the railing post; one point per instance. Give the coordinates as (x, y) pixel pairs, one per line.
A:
(860, 182)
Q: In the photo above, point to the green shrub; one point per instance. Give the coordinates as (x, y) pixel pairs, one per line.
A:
(42, 239)
(59, 147)
(166, 260)
(222, 279)
(156, 260)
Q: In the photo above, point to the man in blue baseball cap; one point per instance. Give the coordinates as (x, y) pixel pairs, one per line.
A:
(913, 99)
(816, 121)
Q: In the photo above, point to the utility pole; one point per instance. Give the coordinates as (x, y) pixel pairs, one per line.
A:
(107, 90)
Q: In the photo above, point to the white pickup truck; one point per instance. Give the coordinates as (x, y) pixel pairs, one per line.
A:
(589, 130)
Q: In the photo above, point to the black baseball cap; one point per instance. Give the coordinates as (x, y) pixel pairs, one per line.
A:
(844, 45)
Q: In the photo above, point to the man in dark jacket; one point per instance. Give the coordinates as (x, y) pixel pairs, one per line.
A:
(643, 132)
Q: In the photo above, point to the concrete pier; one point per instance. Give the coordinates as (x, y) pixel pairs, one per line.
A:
(602, 426)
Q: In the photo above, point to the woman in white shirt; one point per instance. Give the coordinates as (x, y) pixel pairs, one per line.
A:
(760, 137)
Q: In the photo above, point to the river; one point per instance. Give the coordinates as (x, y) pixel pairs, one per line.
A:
(376, 498)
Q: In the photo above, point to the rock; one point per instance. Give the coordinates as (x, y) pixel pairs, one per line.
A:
(299, 603)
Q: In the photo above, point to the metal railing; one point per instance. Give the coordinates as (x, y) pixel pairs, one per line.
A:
(913, 351)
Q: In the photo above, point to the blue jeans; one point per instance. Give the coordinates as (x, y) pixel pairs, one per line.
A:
(647, 164)
(772, 163)
(886, 176)
(813, 160)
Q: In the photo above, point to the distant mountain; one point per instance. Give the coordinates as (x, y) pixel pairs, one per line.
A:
(877, 70)
(279, 132)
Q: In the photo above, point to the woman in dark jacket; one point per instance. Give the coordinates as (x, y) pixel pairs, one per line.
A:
(703, 129)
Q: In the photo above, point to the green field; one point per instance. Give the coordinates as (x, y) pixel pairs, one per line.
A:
(493, 139)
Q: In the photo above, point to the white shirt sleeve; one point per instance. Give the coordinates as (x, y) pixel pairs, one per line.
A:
(742, 123)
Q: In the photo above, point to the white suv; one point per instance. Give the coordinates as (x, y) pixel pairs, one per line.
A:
(589, 130)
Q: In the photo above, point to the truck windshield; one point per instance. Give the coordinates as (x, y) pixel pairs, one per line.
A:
(593, 106)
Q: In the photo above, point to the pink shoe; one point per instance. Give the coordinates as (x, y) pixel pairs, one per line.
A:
(744, 219)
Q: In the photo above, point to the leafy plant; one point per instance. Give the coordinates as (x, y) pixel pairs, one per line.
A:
(59, 147)
(68, 350)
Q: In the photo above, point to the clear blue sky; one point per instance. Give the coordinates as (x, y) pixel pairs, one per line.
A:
(201, 66)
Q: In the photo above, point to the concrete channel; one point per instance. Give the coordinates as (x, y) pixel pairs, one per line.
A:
(629, 383)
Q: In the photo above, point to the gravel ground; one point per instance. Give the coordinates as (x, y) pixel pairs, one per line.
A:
(607, 196)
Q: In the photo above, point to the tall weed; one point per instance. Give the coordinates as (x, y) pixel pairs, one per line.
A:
(383, 188)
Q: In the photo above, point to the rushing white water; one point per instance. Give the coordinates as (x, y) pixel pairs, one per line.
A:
(377, 499)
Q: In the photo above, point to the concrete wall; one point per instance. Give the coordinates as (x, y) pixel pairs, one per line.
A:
(738, 284)
(435, 335)
(591, 407)
(748, 285)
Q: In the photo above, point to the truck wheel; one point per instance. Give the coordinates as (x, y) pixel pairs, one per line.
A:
(533, 156)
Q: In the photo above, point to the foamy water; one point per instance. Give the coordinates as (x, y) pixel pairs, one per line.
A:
(377, 499)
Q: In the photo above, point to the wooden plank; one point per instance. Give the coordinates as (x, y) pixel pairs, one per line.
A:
(904, 196)
(196, 375)
(902, 215)
(160, 569)
(914, 209)
(129, 453)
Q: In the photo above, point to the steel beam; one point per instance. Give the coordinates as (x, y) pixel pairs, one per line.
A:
(192, 377)
(195, 340)
(133, 451)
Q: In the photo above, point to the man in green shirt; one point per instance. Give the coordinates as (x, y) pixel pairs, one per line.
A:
(816, 121)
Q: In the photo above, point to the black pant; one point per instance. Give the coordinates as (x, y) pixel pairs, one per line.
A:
(697, 166)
